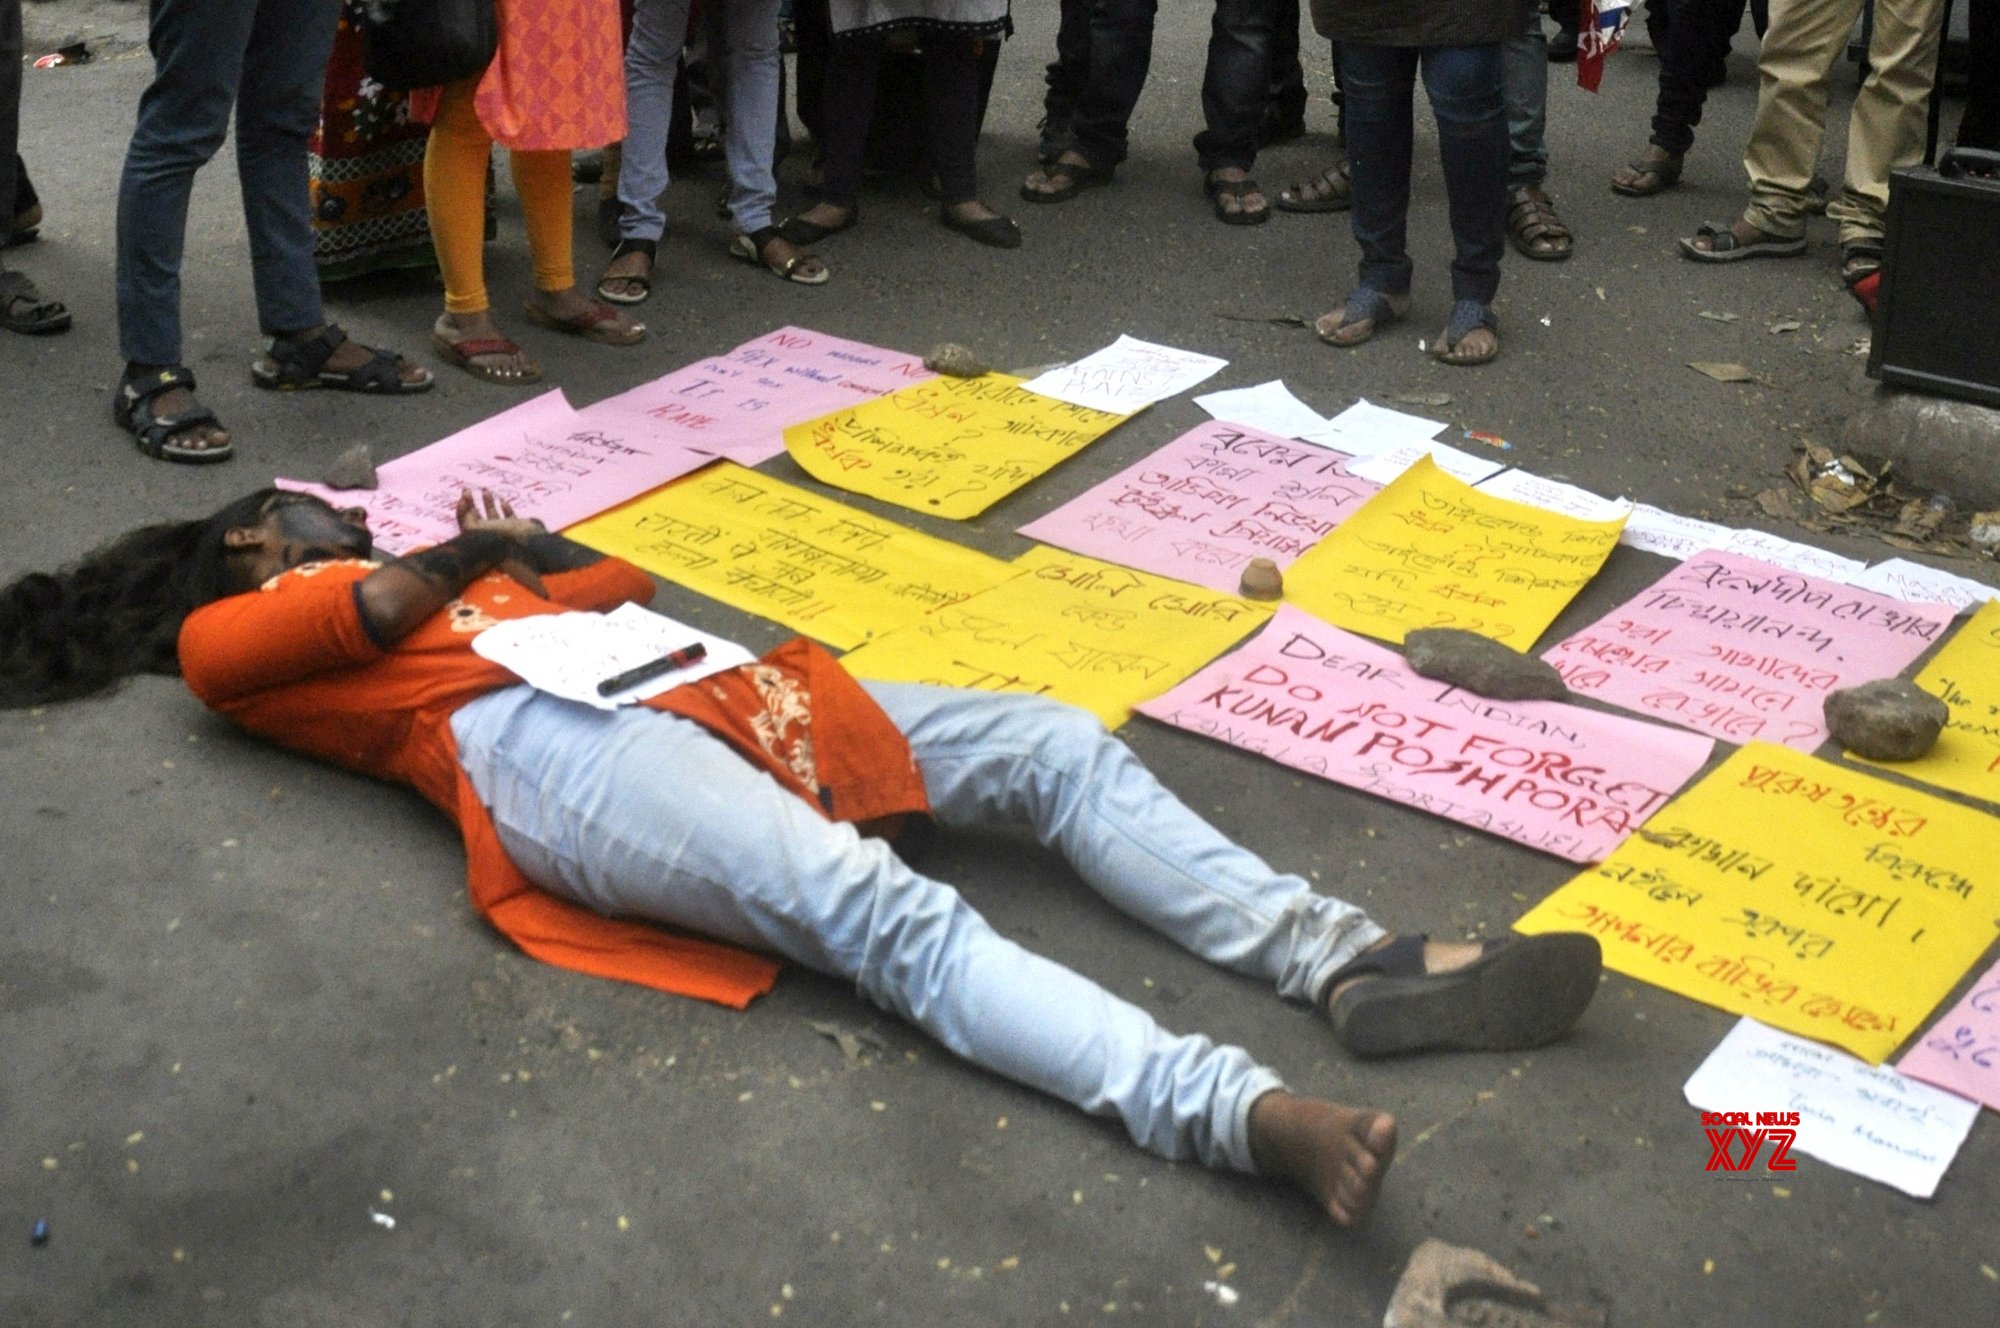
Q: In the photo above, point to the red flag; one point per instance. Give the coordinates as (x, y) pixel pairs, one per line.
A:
(1598, 35)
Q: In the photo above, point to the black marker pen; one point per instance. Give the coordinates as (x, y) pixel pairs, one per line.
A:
(653, 668)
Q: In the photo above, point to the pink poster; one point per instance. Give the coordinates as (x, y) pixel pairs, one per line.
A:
(1740, 649)
(1555, 777)
(1961, 1052)
(541, 456)
(738, 405)
(1204, 505)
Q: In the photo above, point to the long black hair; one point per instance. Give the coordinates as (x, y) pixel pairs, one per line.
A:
(73, 633)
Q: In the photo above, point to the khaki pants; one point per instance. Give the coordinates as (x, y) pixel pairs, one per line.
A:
(1885, 131)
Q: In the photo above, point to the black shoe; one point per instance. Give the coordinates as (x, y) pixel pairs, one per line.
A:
(1562, 48)
(1521, 992)
(998, 232)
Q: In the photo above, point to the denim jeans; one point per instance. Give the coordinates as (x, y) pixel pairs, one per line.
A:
(266, 59)
(950, 111)
(1098, 100)
(1464, 86)
(659, 29)
(1525, 61)
(636, 813)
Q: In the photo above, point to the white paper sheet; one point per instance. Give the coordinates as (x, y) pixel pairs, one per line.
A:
(1126, 376)
(568, 654)
(1920, 584)
(1366, 429)
(1384, 467)
(1657, 530)
(1270, 407)
(1554, 496)
(1793, 556)
(1862, 1118)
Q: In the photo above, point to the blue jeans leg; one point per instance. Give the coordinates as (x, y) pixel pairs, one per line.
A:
(750, 138)
(640, 814)
(1237, 84)
(652, 59)
(1380, 82)
(1121, 51)
(1526, 73)
(277, 109)
(1465, 88)
(201, 49)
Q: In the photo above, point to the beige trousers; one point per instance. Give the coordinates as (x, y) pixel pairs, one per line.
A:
(1885, 131)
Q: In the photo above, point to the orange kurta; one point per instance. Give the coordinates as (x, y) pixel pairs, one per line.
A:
(557, 80)
(293, 663)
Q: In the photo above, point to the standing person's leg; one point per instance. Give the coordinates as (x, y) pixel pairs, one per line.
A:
(1696, 42)
(1285, 100)
(542, 180)
(1466, 90)
(753, 74)
(1532, 223)
(1886, 128)
(277, 109)
(1121, 53)
(198, 48)
(847, 108)
(1235, 89)
(579, 806)
(951, 98)
(455, 165)
(1805, 40)
(1067, 75)
(652, 60)
(1380, 83)
(10, 110)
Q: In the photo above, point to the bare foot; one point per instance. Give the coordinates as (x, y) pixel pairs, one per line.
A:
(1230, 204)
(827, 216)
(973, 211)
(628, 277)
(1061, 178)
(196, 437)
(1336, 1154)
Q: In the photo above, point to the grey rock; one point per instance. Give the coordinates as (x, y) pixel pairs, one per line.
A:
(1482, 665)
(352, 469)
(1935, 443)
(948, 357)
(1886, 720)
(1262, 580)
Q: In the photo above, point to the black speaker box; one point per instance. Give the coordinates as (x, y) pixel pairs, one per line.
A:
(1939, 324)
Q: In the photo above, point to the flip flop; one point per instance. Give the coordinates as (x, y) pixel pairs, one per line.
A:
(1365, 312)
(1467, 317)
(1724, 247)
(1220, 191)
(1079, 176)
(1666, 173)
(1520, 992)
(463, 353)
(599, 324)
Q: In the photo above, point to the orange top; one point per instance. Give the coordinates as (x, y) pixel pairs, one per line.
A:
(557, 79)
(294, 664)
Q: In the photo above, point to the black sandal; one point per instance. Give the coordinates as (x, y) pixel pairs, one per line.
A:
(650, 248)
(132, 405)
(1520, 992)
(1220, 192)
(295, 365)
(797, 230)
(26, 310)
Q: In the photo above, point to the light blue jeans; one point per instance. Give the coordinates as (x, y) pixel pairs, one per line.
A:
(659, 30)
(636, 813)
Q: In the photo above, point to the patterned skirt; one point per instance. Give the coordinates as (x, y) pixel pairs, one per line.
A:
(367, 163)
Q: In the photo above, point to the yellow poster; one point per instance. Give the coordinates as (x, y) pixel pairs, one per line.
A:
(1090, 633)
(1966, 676)
(1810, 896)
(1431, 551)
(818, 566)
(950, 447)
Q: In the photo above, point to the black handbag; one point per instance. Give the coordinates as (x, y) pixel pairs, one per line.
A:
(423, 43)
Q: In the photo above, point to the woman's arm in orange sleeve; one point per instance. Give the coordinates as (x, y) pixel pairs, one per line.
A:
(602, 586)
(305, 623)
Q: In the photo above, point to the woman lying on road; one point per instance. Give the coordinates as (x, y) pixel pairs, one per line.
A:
(781, 779)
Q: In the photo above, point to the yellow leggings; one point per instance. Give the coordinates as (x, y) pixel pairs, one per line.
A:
(455, 185)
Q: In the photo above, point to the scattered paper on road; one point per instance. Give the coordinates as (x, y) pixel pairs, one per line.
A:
(1866, 1119)
(1366, 429)
(1384, 467)
(1127, 376)
(1965, 675)
(1914, 581)
(1555, 496)
(1270, 407)
(1657, 530)
(1797, 557)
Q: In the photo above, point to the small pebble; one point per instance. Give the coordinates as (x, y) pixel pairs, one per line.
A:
(1262, 580)
(948, 357)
